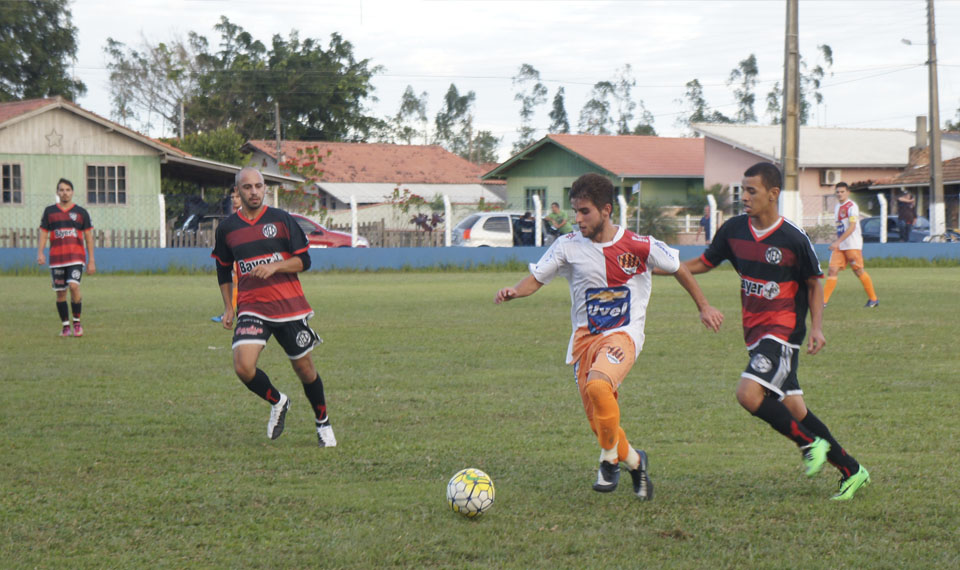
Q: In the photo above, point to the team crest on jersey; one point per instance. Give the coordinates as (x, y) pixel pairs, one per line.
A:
(269, 230)
(773, 255)
(73, 216)
(629, 262)
(761, 363)
(303, 339)
(607, 308)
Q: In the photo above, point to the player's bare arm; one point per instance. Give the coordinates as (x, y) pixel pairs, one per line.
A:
(709, 316)
(849, 231)
(42, 244)
(226, 291)
(526, 287)
(91, 264)
(815, 339)
(291, 265)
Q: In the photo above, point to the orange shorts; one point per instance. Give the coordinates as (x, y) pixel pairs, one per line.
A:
(612, 355)
(843, 257)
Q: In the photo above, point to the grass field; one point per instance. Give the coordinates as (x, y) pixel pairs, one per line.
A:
(136, 446)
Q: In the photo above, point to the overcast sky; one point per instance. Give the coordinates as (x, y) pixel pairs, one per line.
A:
(479, 45)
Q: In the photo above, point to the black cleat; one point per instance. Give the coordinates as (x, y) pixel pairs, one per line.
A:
(607, 477)
(642, 485)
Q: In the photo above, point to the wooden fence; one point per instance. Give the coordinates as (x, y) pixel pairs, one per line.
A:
(378, 235)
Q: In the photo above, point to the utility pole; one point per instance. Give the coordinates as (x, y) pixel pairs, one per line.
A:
(276, 116)
(938, 212)
(790, 123)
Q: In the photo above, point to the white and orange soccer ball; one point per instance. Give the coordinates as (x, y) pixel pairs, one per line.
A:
(470, 492)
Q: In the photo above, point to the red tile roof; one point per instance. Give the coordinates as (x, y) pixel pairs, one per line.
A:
(14, 109)
(380, 162)
(921, 174)
(632, 155)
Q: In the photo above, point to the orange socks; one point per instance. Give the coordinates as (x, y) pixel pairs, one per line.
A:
(868, 286)
(606, 416)
(828, 288)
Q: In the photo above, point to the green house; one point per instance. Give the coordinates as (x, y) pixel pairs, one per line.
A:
(670, 170)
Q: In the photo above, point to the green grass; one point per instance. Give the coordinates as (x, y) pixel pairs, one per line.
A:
(136, 446)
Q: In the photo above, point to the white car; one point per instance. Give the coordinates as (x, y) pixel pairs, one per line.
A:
(489, 229)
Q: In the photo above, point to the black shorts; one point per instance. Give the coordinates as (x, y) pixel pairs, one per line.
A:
(66, 274)
(773, 365)
(296, 337)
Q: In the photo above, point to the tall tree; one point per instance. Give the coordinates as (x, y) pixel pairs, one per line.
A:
(623, 95)
(954, 126)
(558, 115)
(321, 90)
(531, 93)
(595, 116)
(38, 41)
(744, 76)
(809, 86)
(697, 108)
(453, 128)
(413, 111)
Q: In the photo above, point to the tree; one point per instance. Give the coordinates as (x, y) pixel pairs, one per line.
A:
(745, 75)
(221, 145)
(595, 116)
(453, 129)
(321, 90)
(413, 110)
(808, 85)
(697, 108)
(37, 43)
(955, 126)
(530, 93)
(558, 115)
(623, 95)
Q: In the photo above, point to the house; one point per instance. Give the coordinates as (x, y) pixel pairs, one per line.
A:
(916, 179)
(670, 170)
(369, 172)
(115, 171)
(858, 157)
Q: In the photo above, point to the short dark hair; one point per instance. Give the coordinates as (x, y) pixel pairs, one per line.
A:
(65, 181)
(594, 187)
(769, 174)
(555, 204)
(841, 185)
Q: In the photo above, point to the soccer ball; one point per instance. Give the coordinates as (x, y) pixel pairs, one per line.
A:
(470, 492)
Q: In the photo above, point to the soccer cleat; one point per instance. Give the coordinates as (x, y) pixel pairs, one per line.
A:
(815, 455)
(77, 329)
(642, 485)
(278, 412)
(607, 477)
(217, 319)
(871, 304)
(65, 332)
(325, 437)
(849, 485)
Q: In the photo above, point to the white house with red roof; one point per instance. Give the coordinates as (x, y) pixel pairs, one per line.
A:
(369, 172)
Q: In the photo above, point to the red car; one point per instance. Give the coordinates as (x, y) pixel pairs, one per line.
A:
(320, 236)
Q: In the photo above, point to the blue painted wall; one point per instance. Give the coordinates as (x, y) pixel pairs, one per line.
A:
(155, 259)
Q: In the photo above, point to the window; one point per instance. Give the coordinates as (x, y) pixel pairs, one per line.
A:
(106, 184)
(539, 191)
(736, 191)
(12, 184)
(500, 224)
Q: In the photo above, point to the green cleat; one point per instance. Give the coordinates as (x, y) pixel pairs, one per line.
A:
(849, 486)
(815, 455)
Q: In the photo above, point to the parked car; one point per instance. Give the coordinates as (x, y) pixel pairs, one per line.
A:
(870, 228)
(490, 229)
(320, 236)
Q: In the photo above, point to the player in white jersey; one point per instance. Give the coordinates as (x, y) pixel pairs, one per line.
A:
(609, 271)
(846, 249)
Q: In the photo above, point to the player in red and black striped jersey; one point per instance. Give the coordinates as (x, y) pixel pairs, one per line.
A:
(779, 282)
(269, 249)
(68, 226)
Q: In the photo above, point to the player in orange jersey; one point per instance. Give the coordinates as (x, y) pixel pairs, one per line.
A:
(847, 248)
